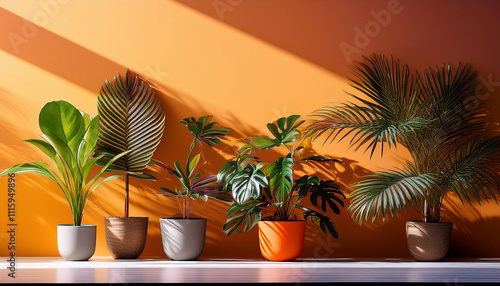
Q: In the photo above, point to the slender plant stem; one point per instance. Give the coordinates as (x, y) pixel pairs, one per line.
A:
(186, 202)
(426, 211)
(126, 195)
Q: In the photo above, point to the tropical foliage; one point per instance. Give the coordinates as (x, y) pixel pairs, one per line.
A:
(132, 121)
(436, 116)
(192, 186)
(69, 138)
(257, 186)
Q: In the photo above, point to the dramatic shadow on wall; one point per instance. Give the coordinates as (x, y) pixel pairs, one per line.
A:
(54, 53)
(316, 30)
(333, 34)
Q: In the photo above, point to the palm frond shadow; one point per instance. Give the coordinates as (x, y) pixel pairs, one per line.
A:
(470, 223)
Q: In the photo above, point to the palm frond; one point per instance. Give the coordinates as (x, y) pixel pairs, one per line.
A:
(385, 193)
(472, 169)
(390, 108)
(457, 111)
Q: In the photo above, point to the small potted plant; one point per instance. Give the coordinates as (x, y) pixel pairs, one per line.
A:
(69, 138)
(184, 237)
(432, 117)
(257, 187)
(132, 120)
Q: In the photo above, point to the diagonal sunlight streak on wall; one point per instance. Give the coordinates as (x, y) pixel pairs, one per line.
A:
(220, 57)
(54, 53)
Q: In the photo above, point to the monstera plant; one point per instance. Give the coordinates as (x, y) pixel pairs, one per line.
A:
(132, 121)
(184, 237)
(438, 118)
(270, 195)
(69, 138)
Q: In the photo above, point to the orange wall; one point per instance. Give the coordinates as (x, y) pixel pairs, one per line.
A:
(247, 62)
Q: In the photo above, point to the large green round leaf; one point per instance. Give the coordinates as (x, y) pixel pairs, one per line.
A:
(62, 122)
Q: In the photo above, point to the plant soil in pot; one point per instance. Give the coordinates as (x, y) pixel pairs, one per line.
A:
(428, 241)
(281, 240)
(76, 242)
(126, 236)
(183, 239)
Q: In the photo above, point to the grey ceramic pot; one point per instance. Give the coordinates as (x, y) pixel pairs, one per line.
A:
(183, 239)
(76, 242)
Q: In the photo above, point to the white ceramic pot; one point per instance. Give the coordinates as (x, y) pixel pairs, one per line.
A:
(183, 239)
(76, 242)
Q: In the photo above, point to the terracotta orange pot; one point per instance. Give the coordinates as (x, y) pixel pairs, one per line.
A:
(281, 240)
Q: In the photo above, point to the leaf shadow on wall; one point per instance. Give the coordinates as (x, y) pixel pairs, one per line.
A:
(312, 30)
(470, 226)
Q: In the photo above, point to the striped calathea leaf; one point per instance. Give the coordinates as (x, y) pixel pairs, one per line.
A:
(131, 119)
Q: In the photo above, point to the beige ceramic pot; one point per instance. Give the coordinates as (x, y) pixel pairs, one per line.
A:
(428, 241)
(126, 236)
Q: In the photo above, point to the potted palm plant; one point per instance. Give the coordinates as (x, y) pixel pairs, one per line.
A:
(432, 117)
(257, 187)
(132, 121)
(184, 237)
(69, 138)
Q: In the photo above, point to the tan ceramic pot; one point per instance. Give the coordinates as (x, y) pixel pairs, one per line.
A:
(126, 236)
(428, 241)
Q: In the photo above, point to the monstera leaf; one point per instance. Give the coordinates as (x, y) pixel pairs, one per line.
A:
(280, 174)
(131, 119)
(285, 130)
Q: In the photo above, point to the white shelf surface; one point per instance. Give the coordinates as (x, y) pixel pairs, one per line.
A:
(162, 270)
